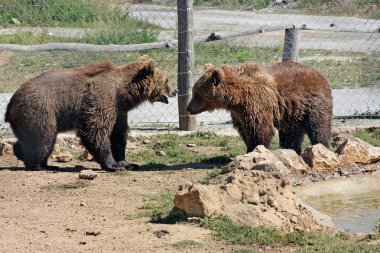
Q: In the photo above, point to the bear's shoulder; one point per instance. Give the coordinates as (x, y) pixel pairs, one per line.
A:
(96, 69)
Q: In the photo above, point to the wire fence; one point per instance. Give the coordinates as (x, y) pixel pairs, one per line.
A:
(341, 40)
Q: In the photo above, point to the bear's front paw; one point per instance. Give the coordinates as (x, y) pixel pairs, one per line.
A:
(128, 166)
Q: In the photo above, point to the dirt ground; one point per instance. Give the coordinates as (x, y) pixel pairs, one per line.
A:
(38, 216)
(34, 219)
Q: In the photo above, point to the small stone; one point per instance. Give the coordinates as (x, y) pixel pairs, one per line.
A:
(82, 243)
(87, 175)
(92, 233)
(5, 148)
(146, 141)
(161, 233)
(294, 220)
(262, 192)
(160, 153)
(16, 21)
(193, 219)
(271, 202)
(253, 200)
(64, 157)
(191, 145)
(87, 156)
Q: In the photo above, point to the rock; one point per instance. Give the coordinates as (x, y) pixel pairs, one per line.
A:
(87, 175)
(193, 219)
(87, 156)
(16, 21)
(131, 145)
(191, 145)
(358, 151)
(253, 198)
(161, 233)
(5, 148)
(339, 139)
(93, 233)
(11, 140)
(272, 167)
(60, 142)
(198, 200)
(261, 153)
(68, 140)
(292, 161)
(321, 158)
(160, 153)
(247, 161)
(64, 157)
(146, 141)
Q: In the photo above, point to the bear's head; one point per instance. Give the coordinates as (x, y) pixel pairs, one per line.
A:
(205, 95)
(146, 82)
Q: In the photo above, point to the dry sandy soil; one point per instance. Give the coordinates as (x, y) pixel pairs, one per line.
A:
(34, 219)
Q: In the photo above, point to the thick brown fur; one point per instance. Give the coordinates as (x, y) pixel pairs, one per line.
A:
(93, 100)
(287, 95)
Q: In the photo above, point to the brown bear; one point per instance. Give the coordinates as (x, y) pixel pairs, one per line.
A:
(93, 100)
(288, 96)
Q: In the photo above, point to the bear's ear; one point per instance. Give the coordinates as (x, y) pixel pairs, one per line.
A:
(216, 76)
(149, 67)
(208, 66)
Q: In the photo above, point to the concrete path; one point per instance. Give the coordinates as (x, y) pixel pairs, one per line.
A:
(347, 102)
(207, 21)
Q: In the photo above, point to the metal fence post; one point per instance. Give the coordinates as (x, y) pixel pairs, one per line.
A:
(291, 46)
(185, 63)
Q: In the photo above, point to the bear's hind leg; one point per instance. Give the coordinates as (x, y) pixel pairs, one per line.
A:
(292, 138)
(318, 128)
(100, 148)
(17, 151)
(37, 151)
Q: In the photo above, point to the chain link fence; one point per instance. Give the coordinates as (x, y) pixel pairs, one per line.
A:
(341, 39)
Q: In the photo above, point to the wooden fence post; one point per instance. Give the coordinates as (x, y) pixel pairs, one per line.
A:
(291, 47)
(185, 63)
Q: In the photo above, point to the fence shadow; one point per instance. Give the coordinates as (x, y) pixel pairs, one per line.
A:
(209, 163)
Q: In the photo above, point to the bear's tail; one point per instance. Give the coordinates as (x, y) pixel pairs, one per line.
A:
(17, 151)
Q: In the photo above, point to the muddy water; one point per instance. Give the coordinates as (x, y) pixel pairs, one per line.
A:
(353, 203)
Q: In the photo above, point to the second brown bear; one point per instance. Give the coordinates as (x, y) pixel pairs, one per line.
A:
(287, 96)
(93, 100)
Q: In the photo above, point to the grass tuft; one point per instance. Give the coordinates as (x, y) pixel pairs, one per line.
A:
(187, 244)
(64, 187)
(214, 173)
(160, 209)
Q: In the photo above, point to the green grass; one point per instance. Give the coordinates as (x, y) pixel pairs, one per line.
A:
(341, 8)
(176, 152)
(360, 72)
(159, 208)
(105, 25)
(370, 136)
(302, 241)
(234, 4)
(187, 244)
(245, 251)
(214, 173)
(226, 4)
(50, 13)
(64, 187)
